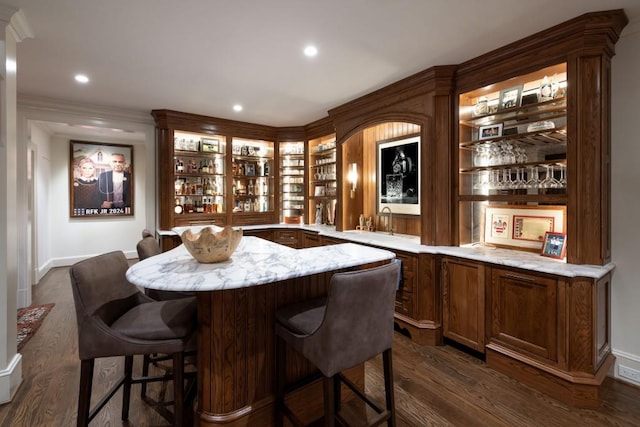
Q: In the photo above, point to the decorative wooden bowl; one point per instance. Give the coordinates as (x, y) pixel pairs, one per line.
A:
(208, 246)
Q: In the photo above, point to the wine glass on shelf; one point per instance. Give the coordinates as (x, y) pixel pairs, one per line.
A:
(534, 178)
(563, 176)
(549, 180)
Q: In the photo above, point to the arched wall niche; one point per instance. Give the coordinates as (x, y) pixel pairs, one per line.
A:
(424, 100)
(360, 146)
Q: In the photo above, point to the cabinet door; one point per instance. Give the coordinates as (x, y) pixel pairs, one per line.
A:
(310, 239)
(463, 302)
(525, 312)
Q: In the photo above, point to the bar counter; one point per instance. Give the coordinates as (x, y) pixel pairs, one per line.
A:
(237, 301)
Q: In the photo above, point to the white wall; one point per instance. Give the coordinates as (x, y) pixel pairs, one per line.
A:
(73, 239)
(625, 176)
(42, 173)
(61, 240)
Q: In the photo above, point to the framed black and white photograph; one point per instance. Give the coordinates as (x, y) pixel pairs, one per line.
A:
(490, 131)
(510, 98)
(398, 171)
(100, 180)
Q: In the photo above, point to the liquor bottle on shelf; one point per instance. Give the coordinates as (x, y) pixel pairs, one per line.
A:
(265, 168)
(179, 165)
(208, 188)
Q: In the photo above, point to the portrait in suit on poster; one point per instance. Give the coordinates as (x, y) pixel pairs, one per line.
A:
(101, 180)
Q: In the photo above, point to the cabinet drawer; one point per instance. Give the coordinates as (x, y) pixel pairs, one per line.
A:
(404, 303)
(287, 238)
(263, 234)
(409, 271)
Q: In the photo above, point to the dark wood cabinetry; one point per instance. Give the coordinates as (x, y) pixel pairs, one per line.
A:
(566, 130)
(551, 332)
(289, 238)
(525, 311)
(463, 302)
(310, 239)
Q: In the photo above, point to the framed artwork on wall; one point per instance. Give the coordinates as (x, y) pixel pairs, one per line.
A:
(398, 169)
(100, 180)
(522, 227)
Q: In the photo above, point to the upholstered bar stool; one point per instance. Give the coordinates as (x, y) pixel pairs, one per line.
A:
(116, 319)
(147, 247)
(351, 325)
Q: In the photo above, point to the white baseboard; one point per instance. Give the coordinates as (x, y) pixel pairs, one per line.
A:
(69, 261)
(10, 379)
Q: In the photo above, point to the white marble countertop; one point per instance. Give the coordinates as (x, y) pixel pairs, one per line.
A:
(489, 254)
(255, 262)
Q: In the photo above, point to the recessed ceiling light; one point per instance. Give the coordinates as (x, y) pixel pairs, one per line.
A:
(311, 50)
(81, 78)
(237, 107)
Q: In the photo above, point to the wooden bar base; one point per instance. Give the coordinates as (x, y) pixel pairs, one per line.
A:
(236, 355)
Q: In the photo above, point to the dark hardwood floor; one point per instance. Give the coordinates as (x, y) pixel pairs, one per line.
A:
(434, 386)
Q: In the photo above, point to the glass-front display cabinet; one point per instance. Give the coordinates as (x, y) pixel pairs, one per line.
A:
(292, 189)
(513, 160)
(322, 186)
(198, 176)
(252, 187)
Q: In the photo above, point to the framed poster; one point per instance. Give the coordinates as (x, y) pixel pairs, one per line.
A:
(100, 180)
(398, 168)
(522, 227)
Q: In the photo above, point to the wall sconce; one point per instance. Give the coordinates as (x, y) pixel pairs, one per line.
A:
(352, 178)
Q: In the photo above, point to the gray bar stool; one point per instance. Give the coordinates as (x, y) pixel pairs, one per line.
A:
(351, 325)
(147, 247)
(116, 319)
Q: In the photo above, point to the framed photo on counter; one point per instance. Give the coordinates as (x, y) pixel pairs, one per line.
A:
(555, 245)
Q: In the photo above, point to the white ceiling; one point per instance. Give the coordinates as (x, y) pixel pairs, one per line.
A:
(203, 56)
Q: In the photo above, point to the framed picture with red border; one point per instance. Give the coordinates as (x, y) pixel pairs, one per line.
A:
(554, 245)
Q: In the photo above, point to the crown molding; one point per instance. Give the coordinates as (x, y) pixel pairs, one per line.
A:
(97, 113)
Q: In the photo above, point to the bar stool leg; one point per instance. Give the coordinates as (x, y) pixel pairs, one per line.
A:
(281, 375)
(328, 384)
(126, 389)
(84, 399)
(178, 389)
(388, 387)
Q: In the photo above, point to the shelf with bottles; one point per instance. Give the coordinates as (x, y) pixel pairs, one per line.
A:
(292, 190)
(514, 132)
(252, 181)
(198, 173)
